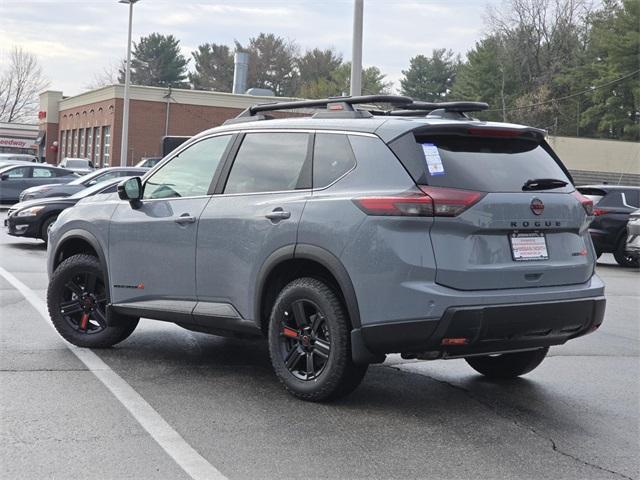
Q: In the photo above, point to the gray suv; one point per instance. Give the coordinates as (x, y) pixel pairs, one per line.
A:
(341, 237)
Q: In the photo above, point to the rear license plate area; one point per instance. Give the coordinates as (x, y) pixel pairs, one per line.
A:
(528, 246)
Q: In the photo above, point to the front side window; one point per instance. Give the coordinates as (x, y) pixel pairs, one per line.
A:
(332, 158)
(42, 172)
(190, 173)
(270, 162)
(20, 172)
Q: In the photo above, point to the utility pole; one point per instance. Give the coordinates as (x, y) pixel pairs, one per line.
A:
(356, 56)
(127, 80)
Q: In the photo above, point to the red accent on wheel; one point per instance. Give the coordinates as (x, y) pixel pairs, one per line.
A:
(84, 321)
(290, 332)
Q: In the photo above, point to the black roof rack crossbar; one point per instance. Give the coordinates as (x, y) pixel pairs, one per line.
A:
(461, 107)
(346, 102)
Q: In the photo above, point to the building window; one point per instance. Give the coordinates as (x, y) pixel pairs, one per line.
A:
(74, 145)
(106, 133)
(63, 142)
(97, 145)
(81, 142)
(67, 152)
(90, 143)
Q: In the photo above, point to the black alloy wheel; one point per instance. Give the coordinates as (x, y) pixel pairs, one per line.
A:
(83, 303)
(310, 342)
(77, 299)
(305, 340)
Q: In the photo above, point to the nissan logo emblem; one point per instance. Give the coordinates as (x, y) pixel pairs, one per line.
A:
(537, 207)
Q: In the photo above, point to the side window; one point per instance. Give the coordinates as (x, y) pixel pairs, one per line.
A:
(21, 172)
(631, 198)
(189, 173)
(332, 158)
(107, 176)
(42, 173)
(270, 162)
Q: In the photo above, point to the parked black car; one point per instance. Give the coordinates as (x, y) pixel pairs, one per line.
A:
(612, 206)
(33, 218)
(16, 178)
(97, 176)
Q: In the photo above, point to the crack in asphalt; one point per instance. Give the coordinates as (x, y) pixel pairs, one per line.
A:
(494, 409)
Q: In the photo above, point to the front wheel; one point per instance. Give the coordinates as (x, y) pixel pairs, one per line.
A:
(77, 299)
(46, 227)
(508, 365)
(309, 342)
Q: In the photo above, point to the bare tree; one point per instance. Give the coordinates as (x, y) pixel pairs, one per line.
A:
(107, 76)
(20, 84)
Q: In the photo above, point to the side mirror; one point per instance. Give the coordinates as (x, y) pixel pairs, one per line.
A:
(131, 189)
(92, 183)
(4, 176)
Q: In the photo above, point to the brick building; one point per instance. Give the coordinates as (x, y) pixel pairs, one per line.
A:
(89, 125)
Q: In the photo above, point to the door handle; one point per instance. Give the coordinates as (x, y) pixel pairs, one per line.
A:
(185, 218)
(278, 214)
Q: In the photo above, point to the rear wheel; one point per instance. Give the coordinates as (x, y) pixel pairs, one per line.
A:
(77, 299)
(508, 365)
(309, 342)
(623, 259)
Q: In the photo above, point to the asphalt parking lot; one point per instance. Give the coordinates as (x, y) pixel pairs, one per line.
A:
(575, 417)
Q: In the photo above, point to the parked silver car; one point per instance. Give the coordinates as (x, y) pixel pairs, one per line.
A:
(633, 235)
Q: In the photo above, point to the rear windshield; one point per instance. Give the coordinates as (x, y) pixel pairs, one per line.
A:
(77, 163)
(485, 164)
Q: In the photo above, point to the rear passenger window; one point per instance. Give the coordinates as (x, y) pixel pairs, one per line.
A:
(270, 162)
(42, 172)
(332, 158)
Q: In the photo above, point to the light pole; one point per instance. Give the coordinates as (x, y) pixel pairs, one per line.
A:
(127, 79)
(356, 55)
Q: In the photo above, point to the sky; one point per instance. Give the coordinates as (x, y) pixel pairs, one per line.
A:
(76, 40)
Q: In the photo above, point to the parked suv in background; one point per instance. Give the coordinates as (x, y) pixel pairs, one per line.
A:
(612, 206)
(79, 165)
(341, 238)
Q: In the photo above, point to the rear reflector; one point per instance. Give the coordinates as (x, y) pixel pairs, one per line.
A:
(427, 202)
(586, 203)
(455, 341)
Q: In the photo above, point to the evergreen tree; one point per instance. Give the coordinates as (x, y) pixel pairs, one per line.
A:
(213, 65)
(430, 78)
(272, 64)
(156, 61)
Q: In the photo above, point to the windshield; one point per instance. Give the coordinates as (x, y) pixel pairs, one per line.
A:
(98, 188)
(83, 179)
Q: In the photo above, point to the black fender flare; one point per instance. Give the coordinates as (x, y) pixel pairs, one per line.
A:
(319, 255)
(78, 234)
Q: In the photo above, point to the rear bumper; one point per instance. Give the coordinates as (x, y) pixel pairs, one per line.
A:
(486, 329)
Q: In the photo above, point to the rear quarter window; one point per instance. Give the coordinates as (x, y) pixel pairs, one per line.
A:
(332, 158)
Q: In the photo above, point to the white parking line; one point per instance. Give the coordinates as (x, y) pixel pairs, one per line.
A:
(196, 466)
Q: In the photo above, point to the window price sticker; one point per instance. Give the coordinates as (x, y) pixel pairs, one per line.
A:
(432, 156)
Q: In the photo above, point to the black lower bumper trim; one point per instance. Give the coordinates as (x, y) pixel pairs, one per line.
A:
(489, 328)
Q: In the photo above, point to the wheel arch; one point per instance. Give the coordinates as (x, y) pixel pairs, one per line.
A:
(288, 263)
(74, 242)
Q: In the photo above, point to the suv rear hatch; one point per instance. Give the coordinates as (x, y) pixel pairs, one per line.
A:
(524, 227)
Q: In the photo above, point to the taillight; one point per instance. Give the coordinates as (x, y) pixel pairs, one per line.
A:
(599, 211)
(586, 203)
(428, 202)
(451, 202)
(410, 205)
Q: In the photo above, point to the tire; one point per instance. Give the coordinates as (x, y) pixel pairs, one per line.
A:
(622, 258)
(77, 288)
(44, 230)
(508, 365)
(308, 323)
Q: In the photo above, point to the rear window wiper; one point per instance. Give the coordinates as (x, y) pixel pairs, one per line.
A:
(543, 184)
